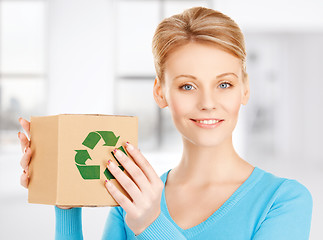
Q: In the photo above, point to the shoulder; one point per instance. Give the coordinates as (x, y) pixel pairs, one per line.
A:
(286, 192)
(282, 202)
(293, 191)
(286, 186)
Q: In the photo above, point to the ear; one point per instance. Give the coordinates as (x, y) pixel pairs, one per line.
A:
(246, 90)
(158, 94)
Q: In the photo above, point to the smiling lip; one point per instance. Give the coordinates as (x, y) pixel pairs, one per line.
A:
(207, 122)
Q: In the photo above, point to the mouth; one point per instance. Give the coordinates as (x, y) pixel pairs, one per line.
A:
(208, 121)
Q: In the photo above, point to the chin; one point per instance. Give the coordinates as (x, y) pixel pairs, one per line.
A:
(205, 141)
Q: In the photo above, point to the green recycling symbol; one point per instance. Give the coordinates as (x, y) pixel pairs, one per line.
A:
(93, 171)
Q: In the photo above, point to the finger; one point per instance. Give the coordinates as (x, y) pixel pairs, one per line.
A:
(24, 180)
(25, 160)
(25, 125)
(128, 185)
(24, 142)
(63, 207)
(132, 168)
(143, 164)
(120, 198)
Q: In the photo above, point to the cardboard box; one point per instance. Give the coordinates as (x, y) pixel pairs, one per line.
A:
(70, 155)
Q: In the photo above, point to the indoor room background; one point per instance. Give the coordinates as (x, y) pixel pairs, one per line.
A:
(82, 56)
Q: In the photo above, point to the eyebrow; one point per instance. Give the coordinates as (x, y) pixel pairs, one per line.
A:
(193, 77)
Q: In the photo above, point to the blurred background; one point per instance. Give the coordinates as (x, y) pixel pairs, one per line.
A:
(82, 56)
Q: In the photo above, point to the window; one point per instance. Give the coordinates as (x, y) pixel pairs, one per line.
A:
(22, 63)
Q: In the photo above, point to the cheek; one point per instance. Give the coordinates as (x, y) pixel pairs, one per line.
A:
(233, 104)
(180, 104)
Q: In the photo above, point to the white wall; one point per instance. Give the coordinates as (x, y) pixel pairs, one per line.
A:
(298, 15)
(81, 56)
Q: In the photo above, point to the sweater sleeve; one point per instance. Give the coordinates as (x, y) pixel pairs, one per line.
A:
(289, 217)
(160, 229)
(114, 226)
(68, 224)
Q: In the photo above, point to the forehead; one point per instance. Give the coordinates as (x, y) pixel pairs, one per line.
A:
(201, 60)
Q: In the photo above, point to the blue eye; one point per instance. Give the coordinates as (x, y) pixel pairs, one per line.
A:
(225, 84)
(187, 87)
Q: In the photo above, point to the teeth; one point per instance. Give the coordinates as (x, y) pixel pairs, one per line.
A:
(207, 121)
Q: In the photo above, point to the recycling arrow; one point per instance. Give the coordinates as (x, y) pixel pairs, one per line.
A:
(87, 172)
(92, 139)
(81, 156)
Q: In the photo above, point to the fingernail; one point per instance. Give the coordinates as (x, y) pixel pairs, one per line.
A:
(117, 152)
(19, 119)
(18, 134)
(129, 146)
(26, 148)
(109, 162)
(108, 183)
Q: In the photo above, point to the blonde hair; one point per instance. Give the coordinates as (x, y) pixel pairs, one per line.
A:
(197, 24)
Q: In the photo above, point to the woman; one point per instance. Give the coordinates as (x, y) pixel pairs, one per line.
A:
(213, 193)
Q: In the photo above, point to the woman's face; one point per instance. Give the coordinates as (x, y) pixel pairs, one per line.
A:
(204, 90)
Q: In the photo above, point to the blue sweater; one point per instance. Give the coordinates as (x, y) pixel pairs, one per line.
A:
(264, 207)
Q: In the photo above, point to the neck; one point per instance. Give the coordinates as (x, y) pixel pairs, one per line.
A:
(203, 165)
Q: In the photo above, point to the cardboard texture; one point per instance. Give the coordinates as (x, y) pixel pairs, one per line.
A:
(70, 155)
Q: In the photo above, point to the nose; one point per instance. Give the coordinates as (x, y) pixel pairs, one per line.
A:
(207, 100)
